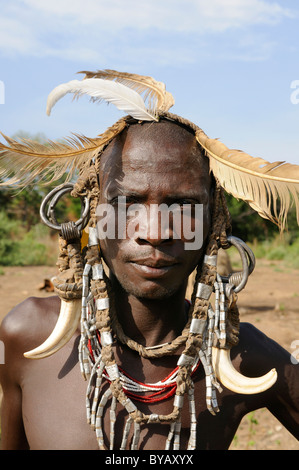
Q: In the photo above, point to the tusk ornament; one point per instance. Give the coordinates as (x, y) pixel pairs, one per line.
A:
(67, 323)
(236, 382)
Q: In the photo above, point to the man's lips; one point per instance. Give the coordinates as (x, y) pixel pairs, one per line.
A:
(154, 267)
(155, 262)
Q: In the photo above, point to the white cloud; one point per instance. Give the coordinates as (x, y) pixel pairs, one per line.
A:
(16, 37)
(220, 16)
(183, 16)
(97, 29)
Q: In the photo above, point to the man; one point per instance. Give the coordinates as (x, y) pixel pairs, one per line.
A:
(149, 165)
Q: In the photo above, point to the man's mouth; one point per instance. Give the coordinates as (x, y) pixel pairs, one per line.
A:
(155, 262)
(154, 267)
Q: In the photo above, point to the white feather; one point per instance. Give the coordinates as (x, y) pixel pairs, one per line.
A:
(122, 97)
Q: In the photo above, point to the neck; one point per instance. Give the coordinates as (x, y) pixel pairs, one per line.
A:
(150, 322)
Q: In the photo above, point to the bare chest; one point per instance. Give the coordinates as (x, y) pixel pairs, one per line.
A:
(54, 410)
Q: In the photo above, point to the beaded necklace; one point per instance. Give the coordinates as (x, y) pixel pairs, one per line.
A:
(159, 391)
(136, 390)
(93, 367)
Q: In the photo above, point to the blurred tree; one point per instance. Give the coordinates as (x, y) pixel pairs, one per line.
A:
(23, 204)
(249, 226)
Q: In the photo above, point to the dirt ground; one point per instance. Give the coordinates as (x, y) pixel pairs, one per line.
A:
(270, 301)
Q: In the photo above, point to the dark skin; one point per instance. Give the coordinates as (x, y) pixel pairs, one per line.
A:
(44, 400)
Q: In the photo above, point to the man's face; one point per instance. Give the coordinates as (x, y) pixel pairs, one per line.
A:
(152, 166)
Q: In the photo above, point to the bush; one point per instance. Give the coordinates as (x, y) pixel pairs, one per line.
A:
(21, 248)
(278, 248)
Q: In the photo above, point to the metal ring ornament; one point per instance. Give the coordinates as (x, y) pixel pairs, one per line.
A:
(237, 281)
(48, 216)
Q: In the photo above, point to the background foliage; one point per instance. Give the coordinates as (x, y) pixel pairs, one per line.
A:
(24, 239)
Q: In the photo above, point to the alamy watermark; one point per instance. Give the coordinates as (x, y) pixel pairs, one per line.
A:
(2, 92)
(295, 94)
(2, 353)
(295, 353)
(121, 220)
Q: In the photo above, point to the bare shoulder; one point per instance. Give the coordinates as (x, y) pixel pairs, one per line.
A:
(257, 349)
(256, 341)
(28, 322)
(256, 354)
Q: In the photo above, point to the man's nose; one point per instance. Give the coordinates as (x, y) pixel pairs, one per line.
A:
(154, 229)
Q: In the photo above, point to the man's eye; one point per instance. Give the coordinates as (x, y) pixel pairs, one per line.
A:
(188, 202)
(114, 201)
(122, 201)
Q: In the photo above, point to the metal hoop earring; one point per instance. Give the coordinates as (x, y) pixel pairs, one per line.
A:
(68, 230)
(236, 281)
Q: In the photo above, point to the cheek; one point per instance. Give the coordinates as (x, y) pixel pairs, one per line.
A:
(109, 252)
(115, 254)
(195, 226)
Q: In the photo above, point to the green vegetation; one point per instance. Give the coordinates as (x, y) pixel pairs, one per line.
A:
(263, 236)
(253, 422)
(19, 247)
(278, 248)
(24, 239)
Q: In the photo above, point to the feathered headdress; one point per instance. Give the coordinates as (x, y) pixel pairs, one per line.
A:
(270, 188)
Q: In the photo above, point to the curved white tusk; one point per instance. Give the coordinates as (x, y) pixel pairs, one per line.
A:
(67, 323)
(236, 382)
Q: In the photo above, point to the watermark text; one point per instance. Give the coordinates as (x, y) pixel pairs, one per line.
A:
(2, 92)
(295, 353)
(295, 94)
(2, 353)
(151, 222)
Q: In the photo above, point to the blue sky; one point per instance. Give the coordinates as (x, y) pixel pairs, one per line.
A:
(228, 63)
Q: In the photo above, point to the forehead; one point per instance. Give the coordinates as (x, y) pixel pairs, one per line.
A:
(152, 156)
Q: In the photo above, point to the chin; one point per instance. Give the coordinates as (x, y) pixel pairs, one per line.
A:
(151, 291)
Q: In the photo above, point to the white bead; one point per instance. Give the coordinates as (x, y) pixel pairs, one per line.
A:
(178, 401)
(97, 272)
(197, 326)
(85, 290)
(106, 338)
(185, 360)
(129, 405)
(92, 236)
(86, 269)
(204, 291)
(113, 372)
(103, 303)
(211, 260)
(153, 418)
